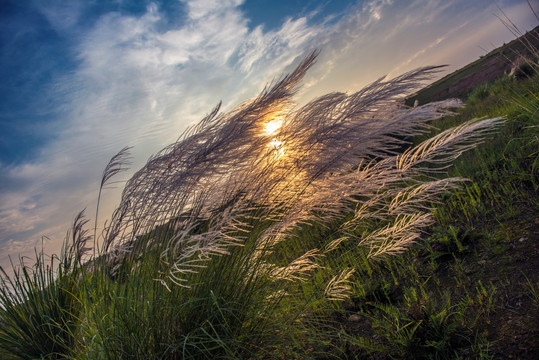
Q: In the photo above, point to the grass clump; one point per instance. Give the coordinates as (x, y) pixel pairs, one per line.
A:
(41, 303)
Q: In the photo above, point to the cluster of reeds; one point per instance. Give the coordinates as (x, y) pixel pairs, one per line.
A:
(269, 162)
(208, 253)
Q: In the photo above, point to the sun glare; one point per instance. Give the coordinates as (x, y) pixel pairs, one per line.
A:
(277, 146)
(273, 126)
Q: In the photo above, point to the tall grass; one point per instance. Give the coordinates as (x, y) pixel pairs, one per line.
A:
(240, 239)
(40, 304)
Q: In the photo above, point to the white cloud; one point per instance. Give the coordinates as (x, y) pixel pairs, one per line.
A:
(199, 9)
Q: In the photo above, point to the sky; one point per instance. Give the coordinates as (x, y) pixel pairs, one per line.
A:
(81, 79)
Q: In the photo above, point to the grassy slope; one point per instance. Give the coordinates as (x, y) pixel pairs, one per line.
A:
(471, 289)
(489, 67)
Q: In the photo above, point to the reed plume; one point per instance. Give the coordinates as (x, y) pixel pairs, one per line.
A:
(338, 155)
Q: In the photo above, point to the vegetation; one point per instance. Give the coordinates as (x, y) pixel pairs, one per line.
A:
(507, 59)
(269, 233)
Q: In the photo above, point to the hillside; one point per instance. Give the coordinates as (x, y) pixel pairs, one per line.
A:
(489, 67)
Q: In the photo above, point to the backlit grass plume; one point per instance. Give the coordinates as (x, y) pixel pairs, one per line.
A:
(268, 161)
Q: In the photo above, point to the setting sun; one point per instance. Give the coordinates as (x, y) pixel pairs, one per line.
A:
(273, 126)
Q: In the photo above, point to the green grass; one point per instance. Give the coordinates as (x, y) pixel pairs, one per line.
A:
(452, 295)
(467, 290)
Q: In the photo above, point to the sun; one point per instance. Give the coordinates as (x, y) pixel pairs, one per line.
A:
(271, 129)
(272, 126)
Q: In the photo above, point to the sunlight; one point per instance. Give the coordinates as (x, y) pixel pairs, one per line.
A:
(277, 146)
(273, 126)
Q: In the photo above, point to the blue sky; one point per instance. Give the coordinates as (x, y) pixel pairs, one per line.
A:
(81, 79)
